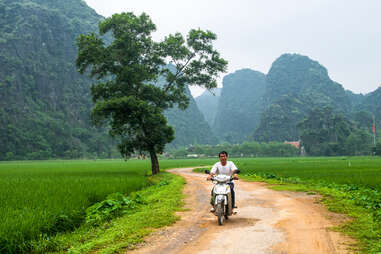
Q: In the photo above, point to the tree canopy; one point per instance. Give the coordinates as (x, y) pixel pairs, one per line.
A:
(126, 70)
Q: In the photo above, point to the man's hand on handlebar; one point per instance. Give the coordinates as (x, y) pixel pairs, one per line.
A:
(235, 176)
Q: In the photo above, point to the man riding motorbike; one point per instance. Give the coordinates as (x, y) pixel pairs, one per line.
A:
(224, 167)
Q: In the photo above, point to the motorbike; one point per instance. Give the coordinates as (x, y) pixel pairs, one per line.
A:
(222, 197)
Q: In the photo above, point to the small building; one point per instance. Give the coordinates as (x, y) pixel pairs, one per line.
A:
(293, 143)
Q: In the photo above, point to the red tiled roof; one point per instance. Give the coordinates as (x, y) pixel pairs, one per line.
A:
(293, 143)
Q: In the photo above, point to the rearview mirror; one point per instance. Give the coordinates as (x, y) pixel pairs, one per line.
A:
(237, 171)
(207, 171)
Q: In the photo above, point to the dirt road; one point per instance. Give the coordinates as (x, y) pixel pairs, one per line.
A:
(267, 221)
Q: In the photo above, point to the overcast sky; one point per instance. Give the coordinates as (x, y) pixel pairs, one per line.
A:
(342, 35)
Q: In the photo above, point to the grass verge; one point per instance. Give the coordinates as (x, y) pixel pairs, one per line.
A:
(360, 204)
(156, 208)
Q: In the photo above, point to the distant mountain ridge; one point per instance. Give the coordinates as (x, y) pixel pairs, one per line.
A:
(207, 103)
(240, 105)
(190, 125)
(44, 102)
(370, 102)
(294, 86)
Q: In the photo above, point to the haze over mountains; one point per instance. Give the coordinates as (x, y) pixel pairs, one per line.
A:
(238, 111)
(45, 103)
(264, 108)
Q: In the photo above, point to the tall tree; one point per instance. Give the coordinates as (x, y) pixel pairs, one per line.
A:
(126, 70)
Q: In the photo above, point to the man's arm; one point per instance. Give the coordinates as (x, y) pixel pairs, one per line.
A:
(234, 171)
(212, 172)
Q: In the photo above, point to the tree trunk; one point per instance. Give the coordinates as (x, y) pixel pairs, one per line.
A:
(154, 163)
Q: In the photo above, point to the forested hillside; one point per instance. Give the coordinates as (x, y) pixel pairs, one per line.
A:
(44, 101)
(371, 107)
(207, 103)
(371, 102)
(240, 105)
(295, 86)
(190, 125)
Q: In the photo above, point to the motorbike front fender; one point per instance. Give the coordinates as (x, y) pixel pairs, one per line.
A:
(221, 199)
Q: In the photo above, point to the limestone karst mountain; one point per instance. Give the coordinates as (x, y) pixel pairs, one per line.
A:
(295, 85)
(240, 105)
(44, 102)
(207, 103)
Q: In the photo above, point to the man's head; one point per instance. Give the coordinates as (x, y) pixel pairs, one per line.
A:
(223, 157)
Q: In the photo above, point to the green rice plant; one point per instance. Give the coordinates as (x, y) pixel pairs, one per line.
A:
(39, 199)
(359, 171)
(155, 207)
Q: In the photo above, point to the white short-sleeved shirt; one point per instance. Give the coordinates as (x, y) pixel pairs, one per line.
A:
(223, 170)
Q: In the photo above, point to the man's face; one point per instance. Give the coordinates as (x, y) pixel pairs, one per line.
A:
(223, 158)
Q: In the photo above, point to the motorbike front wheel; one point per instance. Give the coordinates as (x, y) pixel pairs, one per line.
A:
(220, 213)
(226, 213)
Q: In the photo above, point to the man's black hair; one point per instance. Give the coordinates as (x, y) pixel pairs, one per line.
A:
(223, 152)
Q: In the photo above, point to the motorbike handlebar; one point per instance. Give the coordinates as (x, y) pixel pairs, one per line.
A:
(213, 178)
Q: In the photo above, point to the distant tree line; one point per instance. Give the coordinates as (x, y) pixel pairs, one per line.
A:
(246, 149)
(323, 133)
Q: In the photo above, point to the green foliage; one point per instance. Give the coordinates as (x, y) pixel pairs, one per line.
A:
(128, 101)
(43, 99)
(353, 171)
(278, 121)
(246, 149)
(371, 103)
(295, 85)
(155, 208)
(189, 125)
(240, 105)
(39, 200)
(115, 205)
(325, 133)
(377, 149)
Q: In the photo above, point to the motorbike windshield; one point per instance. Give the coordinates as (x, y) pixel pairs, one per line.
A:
(222, 178)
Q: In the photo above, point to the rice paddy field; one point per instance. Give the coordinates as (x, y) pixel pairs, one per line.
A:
(359, 171)
(42, 198)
